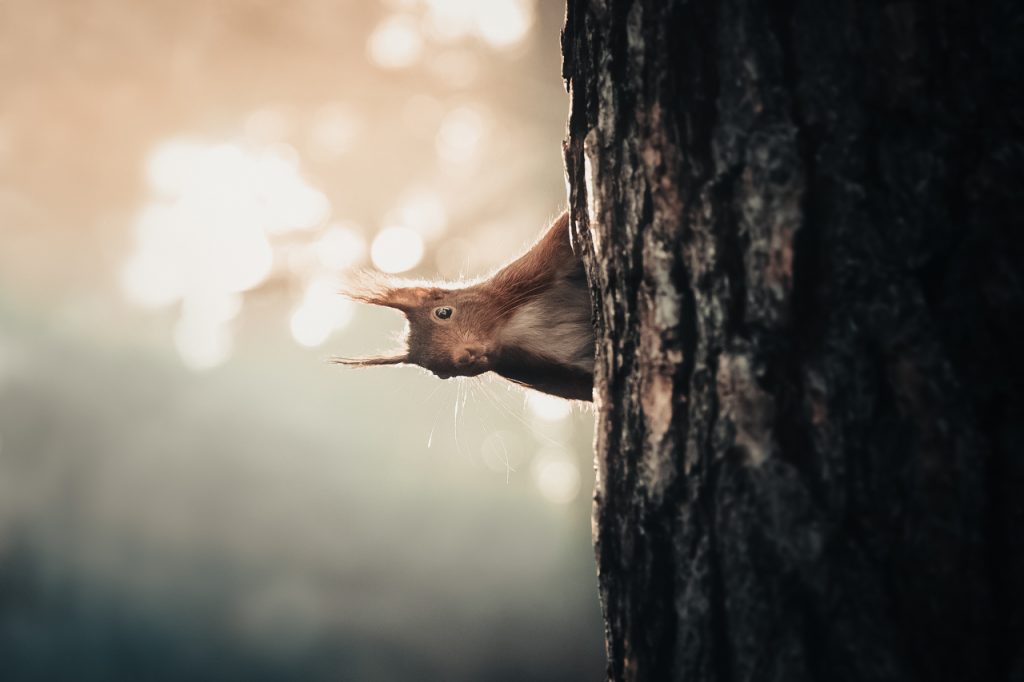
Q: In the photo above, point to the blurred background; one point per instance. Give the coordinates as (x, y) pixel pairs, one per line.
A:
(188, 490)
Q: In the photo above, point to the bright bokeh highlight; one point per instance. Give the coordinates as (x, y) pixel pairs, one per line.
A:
(548, 408)
(397, 249)
(556, 475)
(503, 23)
(396, 43)
(321, 312)
(205, 236)
(341, 246)
(498, 23)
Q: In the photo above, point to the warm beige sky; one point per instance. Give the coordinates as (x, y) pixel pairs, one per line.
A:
(92, 87)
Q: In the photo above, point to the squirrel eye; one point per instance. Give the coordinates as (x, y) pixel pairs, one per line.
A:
(443, 313)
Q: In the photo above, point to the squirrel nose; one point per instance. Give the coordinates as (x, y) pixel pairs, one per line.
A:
(468, 355)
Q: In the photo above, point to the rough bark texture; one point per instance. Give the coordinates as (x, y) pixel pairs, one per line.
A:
(801, 222)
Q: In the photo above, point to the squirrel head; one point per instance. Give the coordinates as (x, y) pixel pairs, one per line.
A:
(450, 330)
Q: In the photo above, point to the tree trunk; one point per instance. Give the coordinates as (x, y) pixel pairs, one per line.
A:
(801, 222)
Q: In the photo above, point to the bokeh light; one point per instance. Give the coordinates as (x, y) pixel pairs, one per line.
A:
(503, 23)
(397, 249)
(341, 246)
(207, 232)
(499, 23)
(547, 407)
(396, 42)
(321, 312)
(556, 475)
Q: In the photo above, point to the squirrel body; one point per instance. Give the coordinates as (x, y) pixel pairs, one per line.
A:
(530, 322)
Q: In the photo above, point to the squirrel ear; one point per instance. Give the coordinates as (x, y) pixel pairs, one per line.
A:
(372, 361)
(403, 298)
(374, 288)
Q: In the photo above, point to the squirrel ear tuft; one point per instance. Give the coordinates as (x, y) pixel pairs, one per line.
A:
(377, 289)
(403, 298)
(373, 360)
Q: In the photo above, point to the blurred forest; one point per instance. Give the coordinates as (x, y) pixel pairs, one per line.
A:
(187, 489)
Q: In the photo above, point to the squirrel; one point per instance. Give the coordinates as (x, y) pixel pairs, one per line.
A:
(529, 322)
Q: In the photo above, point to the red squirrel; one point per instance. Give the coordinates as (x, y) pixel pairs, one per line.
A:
(529, 322)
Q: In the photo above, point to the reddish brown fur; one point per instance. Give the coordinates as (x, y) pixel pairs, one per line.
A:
(474, 339)
(528, 275)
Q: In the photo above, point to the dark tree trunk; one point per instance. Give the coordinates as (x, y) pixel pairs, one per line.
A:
(802, 226)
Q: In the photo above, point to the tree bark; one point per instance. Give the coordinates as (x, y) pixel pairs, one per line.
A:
(801, 224)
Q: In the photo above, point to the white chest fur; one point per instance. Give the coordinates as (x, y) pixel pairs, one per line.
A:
(556, 324)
